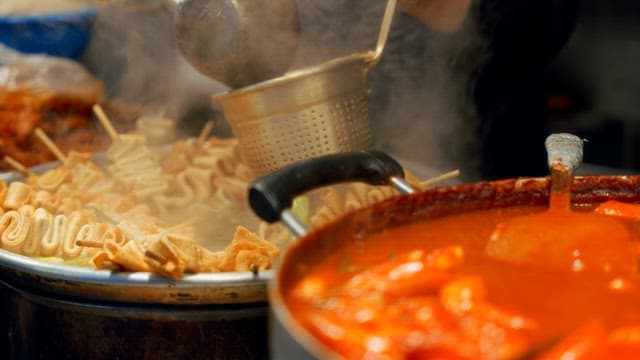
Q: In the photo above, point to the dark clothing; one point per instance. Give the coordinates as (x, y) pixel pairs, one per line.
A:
(509, 90)
(473, 99)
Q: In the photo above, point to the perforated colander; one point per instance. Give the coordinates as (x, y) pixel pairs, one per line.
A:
(315, 111)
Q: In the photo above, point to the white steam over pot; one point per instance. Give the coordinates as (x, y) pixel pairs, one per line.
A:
(239, 42)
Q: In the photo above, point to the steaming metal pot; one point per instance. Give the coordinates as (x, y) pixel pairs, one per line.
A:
(53, 311)
(50, 311)
(40, 326)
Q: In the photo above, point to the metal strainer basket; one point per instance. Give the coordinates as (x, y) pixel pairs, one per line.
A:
(306, 113)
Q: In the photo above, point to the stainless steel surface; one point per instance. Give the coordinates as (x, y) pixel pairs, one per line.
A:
(297, 227)
(238, 42)
(318, 110)
(103, 285)
(401, 185)
(383, 34)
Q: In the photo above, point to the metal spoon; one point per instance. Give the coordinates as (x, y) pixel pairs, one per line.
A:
(238, 42)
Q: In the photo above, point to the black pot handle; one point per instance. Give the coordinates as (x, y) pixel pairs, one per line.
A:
(271, 196)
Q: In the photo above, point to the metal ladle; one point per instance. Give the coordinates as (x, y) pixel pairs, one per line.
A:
(237, 42)
(560, 236)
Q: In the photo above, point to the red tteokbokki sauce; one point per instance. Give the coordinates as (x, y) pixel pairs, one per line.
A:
(429, 289)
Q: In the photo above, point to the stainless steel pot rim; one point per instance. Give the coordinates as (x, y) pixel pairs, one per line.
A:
(295, 75)
(224, 288)
(77, 274)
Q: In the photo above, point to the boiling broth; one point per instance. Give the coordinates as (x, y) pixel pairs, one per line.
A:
(556, 300)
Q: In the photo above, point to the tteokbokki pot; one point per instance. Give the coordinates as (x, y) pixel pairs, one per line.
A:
(417, 276)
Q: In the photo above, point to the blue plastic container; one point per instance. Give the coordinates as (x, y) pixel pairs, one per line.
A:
(59, 34)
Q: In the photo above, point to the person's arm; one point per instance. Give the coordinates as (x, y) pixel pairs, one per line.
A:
(443, 15)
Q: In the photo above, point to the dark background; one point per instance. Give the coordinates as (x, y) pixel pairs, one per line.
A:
(593, 85)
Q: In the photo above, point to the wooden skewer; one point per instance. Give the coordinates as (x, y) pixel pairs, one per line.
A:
(50, 145)
(446, 176)
(206, 130)
(188, 222)
(254, 270)
(106, 123)
(17, 165)
(90, 243)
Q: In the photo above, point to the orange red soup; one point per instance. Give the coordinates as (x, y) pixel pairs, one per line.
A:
(431, 290)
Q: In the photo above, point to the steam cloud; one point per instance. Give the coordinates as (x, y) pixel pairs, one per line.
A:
(421, 108)
(134, 51)
(421, 104)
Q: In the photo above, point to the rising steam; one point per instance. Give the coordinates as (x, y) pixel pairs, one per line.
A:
(421, 106)
(134, 51)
